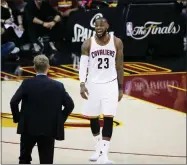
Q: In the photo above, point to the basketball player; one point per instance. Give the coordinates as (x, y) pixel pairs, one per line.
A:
(102, 88)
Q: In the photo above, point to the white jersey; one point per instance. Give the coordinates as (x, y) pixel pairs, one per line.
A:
(102, 62)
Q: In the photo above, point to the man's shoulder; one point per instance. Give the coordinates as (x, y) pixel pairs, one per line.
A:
(118, 43)
(117, 40)
(85, 48)
(57, 83)
(87, 41)
(47, 79)
(31, 79)
(26, 80)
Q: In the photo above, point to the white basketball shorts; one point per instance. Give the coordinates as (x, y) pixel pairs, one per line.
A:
(102, 99)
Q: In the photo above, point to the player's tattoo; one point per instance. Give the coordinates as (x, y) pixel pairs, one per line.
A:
(85, 48)
(119, 63)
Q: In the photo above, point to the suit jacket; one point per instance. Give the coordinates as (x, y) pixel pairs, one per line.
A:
(41, 109)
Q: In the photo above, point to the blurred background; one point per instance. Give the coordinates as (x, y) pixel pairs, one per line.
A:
(154, 33)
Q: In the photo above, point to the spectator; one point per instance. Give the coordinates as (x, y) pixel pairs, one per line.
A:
(43, 20)
(65, 7)
(20, 5)
(183, 4)
(8, 18)
(7, 48)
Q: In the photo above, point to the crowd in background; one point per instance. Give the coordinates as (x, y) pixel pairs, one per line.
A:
(25, 21)
(184, 14)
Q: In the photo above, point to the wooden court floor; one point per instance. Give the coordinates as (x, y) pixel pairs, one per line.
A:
(144, 133)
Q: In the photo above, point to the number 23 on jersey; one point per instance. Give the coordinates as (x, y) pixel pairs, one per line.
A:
(103, 63)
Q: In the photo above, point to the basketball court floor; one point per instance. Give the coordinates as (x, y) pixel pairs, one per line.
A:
(144, 133)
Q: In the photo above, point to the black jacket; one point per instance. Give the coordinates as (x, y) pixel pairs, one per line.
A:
(41, 109)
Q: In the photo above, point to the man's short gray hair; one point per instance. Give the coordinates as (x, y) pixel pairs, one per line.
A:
(41, 63)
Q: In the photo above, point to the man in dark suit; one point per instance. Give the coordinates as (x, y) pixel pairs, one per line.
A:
(41, 118)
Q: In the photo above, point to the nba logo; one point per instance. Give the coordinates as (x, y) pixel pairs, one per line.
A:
(129, 28)
(127, 87)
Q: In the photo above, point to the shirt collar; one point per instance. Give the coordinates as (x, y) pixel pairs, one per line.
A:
(39, 74)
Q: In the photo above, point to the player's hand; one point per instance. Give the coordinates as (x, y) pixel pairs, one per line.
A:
(120, 95)
(84, 91)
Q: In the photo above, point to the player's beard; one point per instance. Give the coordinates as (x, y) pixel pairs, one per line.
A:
(104, 33)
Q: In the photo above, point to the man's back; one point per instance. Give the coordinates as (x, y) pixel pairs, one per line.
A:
(40, 90)
(41, 118)
(43, 103)
(41, 109)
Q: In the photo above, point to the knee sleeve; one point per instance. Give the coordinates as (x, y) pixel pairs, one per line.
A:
(107, 127)
(95, 126)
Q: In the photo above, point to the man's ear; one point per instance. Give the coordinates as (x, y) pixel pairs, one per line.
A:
(34, 67)
(48, 66)
(107, 25)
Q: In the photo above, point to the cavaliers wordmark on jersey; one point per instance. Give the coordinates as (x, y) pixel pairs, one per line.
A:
(102, 61)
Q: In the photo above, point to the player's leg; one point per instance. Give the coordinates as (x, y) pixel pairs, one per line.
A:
(106, 137)
(95, 129)
(109, 106)
(92, 111)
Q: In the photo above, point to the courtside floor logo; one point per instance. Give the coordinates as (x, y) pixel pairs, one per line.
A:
(75, 120)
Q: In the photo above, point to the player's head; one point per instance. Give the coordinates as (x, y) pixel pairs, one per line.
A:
(101, 27)
(41, 64)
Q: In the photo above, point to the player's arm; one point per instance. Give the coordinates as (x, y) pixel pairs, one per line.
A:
(119, 66)
(85, 49)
